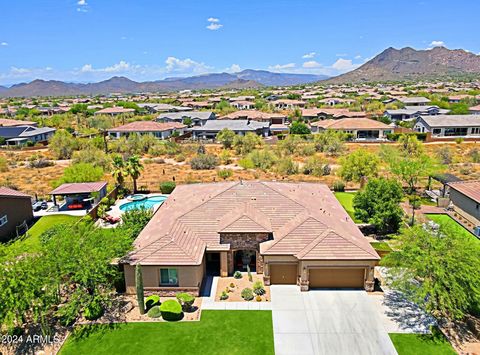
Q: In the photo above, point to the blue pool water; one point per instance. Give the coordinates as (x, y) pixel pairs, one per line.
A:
(147, 203)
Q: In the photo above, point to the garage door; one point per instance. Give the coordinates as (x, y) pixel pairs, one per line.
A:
(337, 278)
(283, 274)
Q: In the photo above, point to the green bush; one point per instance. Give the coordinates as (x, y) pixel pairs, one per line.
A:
(204, 162)
(154, 312)
(286, 166)
(338, 186)
(186, 300)
(237, 275)
(396, 136)
(247, 294)
(171, 310)
(246, 163)
(224, 296)
(152, 301)
(93, 311)
(167, 187)
(224, 173)
(258, 288)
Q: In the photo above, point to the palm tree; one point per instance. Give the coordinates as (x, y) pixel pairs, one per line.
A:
(119, 170)
(134, 169)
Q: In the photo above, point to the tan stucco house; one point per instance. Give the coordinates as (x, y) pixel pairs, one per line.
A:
(292, 233)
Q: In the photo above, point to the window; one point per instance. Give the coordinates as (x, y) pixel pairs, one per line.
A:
(437, 130)
(476, 130)
(457, 131)
(168, 277)
(3, 220)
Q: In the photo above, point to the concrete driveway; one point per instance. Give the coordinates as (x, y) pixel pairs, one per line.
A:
(326, 322)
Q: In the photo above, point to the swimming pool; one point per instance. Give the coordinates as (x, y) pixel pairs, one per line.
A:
(147, 203)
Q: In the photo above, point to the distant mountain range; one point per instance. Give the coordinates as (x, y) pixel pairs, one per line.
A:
(410, 64)
(244, 79)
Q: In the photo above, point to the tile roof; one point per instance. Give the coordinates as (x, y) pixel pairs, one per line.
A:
(7, 192)
(297, 214)
(147, 126)
(78, 188)
(252, 114)
(334, 112)
(234, 125)
(350, 123)
(452, 120)
(471, 189)
(114, 110)
(5, 122)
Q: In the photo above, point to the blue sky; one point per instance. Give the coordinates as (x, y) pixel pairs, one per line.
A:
(91, 40)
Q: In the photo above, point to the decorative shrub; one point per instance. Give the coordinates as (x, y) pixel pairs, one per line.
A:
(250, 278)
(186, 300)
(232, 285)
(167, 187)
(93, 311)
(247, 294)
(224, 296)
(237, 275)
(154, 312)
(224, 173)
(258, 298)
(151, 301)
(171, 310)
(338, 186)
(258, 288)
(204, 162)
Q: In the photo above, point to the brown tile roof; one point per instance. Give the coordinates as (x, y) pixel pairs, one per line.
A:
(297, 214)
(334, 112)
(470, 189)
(114, 110)
(252, 114)
(350, 123)
(78, 188)
(7, 192)
(148, 126)
(5, 122)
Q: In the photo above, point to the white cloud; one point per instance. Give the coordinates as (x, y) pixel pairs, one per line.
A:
(358, 57)
(81, 9)
(120, 67)
(82, 6)
(234, 68)
(82, 3)
(281, 67)
(4, 44)
(185, 66)
(309, 55)
(344, 65)
(437, 44)
(311, 64)
(214, 24)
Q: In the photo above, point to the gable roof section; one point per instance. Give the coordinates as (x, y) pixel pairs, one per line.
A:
(11, 193)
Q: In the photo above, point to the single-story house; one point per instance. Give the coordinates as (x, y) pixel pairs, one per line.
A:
(450, 126)
(414, 101)
(413, 112)
(241, 127)
(15, 213)
(79, 195)
(161, 130)
(18, 135)
(292, 233)
(475, 110)
(311, 114)
(242, 98)
(465, 196)
(284, 104)
(155, 108)
(199, 118)
(243, 105)
(276, 120)
(114, 111)
(197, 104)
(362, 128)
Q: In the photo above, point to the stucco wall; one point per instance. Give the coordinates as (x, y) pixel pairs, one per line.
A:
(470, 208)
(17, 211)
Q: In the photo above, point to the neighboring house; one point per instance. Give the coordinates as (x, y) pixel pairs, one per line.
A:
(475, 110)
(18, 135)
(241, 127)
(413, 112)
(292, 233)
(199, 118)
(312, 114)
(197, 104)
(458, 98)
(465, 196)
(114, 111)
(5, 122)
(156, 108)
(360, 128)
(157, 129)
(284, 104)
(52, 110)
(414, 101)
(15, 212)
(242, 98)
(449, 126)
(79, 195)
(276, 120)
(243, 105)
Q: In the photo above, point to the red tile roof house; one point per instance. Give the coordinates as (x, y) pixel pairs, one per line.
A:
(157, 129)
(361, 128)
(113, 111)
(292, 233)
(15, 211)
(79, 195)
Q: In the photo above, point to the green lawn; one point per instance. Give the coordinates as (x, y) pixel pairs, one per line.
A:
(346, 200)
(382, 246)
(445, 219)
(425, 344)
(218, 332)
(32, 240)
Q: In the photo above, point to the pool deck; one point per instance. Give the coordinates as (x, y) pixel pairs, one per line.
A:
(117, 212)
